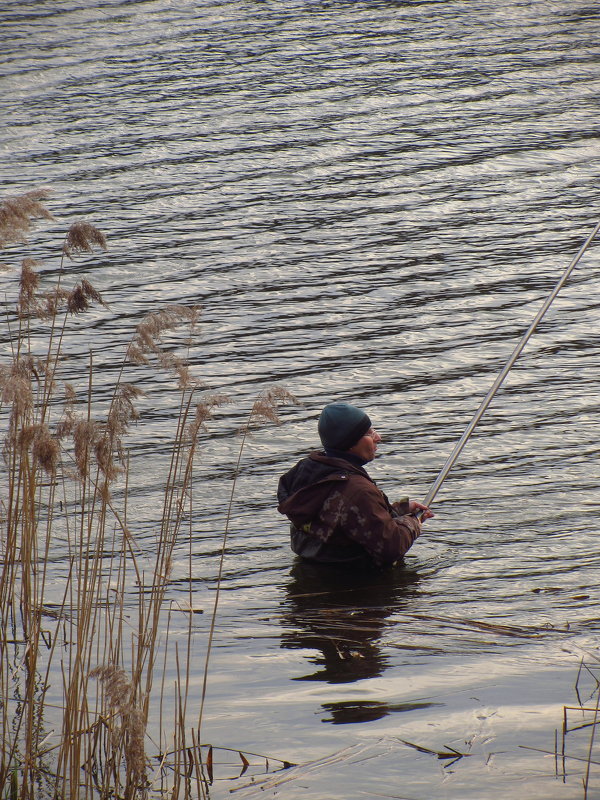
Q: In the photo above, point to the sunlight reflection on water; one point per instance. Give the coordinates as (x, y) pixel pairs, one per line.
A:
(370, 201)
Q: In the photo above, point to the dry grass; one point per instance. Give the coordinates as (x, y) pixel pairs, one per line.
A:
(121, 700)
(82, 238)
(62, 462)
(18, 213)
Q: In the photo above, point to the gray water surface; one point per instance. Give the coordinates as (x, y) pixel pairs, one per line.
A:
(370, 200)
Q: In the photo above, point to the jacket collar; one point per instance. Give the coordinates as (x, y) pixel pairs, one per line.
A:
(357, 461)
(341, 460)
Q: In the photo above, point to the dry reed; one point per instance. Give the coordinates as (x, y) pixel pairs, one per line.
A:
(265, 409)
(18, 213)
(82, 237)
(120, 694)
(62, 461)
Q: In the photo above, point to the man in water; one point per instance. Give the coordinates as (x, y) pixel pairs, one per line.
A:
(337, 513)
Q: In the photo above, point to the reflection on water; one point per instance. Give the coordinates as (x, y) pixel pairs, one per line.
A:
(341, 615)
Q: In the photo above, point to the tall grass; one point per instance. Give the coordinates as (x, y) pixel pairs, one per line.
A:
(76, 677)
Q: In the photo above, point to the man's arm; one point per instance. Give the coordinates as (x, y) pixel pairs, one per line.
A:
(370, 521)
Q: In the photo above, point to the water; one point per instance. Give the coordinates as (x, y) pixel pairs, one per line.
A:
(370, 200)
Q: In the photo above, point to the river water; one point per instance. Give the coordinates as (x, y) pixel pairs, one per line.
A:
(370, 200)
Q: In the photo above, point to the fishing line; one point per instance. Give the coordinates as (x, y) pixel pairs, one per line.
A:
(435, 486)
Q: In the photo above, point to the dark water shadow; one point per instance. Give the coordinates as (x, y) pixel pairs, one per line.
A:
(341, 616)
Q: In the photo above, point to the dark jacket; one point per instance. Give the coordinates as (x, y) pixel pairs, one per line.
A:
(339, 515)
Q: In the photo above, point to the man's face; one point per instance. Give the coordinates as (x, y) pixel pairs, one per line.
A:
(366, 447)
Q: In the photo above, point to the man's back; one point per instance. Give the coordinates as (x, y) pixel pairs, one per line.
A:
(339, 516)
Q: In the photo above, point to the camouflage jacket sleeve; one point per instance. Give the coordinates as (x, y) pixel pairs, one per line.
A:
(364, 513)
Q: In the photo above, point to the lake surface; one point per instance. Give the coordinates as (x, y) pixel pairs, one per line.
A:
(370, 200)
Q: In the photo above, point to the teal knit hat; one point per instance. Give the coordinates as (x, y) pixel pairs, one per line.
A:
(342, 425)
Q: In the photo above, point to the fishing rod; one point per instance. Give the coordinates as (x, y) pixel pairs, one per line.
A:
(435, 486)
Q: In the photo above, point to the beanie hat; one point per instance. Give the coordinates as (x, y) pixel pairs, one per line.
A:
(342, 425)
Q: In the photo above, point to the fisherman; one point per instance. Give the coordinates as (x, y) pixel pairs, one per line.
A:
(337, 513)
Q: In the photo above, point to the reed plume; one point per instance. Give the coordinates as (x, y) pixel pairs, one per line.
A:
(266, 407)
(102, 440)
(120, 696)
(16, 386)
(28, 284)
(202, 413)
(86, 435)
(108, 445)
(17, 213)
(51, 302)
(81, 238)
(122, 413)
(80, 297)
(148, 339)
(45, 447)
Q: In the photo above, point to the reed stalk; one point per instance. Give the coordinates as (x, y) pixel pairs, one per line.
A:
(264, 410)
(78, 675)
(85, 642)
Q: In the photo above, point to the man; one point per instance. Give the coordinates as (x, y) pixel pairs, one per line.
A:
(337, 513)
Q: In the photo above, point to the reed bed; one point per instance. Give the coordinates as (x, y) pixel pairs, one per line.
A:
(76, 679)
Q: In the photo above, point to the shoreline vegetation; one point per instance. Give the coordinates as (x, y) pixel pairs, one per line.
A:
(76, 680)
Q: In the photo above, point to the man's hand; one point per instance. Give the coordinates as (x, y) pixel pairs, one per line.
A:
(415, 507)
